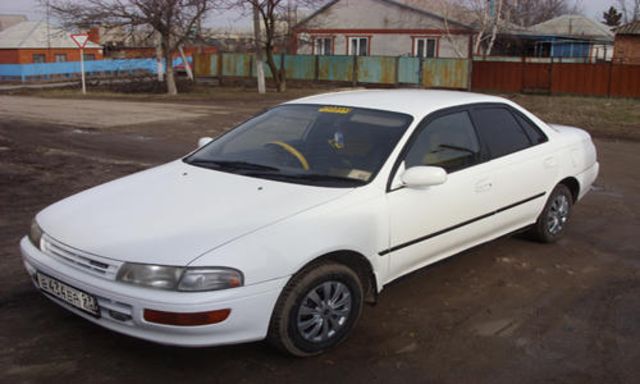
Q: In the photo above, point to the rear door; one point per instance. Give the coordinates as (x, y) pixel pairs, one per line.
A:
(522, 169)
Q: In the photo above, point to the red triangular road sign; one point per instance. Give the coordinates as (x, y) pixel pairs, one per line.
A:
(80, 39)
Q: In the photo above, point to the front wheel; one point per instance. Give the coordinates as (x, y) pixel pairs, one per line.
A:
(552, 222)
(316, 310)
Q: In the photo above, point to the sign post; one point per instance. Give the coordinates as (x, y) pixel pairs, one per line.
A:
(81, 41)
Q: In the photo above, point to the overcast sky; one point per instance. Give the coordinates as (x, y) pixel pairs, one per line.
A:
(33, 10)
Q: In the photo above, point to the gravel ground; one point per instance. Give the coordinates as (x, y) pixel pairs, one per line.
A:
(510, 311)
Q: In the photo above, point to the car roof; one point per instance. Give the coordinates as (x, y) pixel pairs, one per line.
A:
(415, 102)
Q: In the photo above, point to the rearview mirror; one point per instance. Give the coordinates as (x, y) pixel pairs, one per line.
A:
(204, 141)
(423, 176)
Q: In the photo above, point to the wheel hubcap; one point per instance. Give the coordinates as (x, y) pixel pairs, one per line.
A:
(324, 311)
(558, 214)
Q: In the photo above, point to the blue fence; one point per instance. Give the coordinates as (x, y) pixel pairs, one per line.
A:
(24, 72)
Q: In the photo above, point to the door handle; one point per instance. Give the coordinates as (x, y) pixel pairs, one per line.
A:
(483, 185)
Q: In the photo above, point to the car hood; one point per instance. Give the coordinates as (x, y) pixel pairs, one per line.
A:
(174, 213)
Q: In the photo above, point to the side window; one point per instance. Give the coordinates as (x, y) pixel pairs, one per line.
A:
(449, 142)
(500, 131)
(533, 132)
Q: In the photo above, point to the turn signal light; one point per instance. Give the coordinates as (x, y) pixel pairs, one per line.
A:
(186, 319)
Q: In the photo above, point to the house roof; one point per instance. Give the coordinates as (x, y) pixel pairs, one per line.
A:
(403, 4)
(35, 34)
(632, 28)
(7, 21)
(573, 26)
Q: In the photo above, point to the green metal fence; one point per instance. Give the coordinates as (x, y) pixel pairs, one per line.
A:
(382, 70)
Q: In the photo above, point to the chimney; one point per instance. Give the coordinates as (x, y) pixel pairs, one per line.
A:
(94, 35)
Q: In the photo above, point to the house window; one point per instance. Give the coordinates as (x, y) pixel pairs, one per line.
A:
(424, 47)
(39, 58)
(359, 46)
(89, 56)
(323, 46)
(61, 57)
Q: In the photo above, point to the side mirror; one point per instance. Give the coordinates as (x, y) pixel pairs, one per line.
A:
(204, 141)
(423, 176)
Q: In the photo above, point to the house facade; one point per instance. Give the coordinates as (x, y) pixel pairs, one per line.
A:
(627, 44)
(32, 42)
(381, 28)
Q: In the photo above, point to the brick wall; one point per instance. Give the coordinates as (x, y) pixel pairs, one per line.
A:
(627, 49)
(25, 56)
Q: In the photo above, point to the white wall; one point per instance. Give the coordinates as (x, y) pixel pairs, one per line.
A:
(369, 17)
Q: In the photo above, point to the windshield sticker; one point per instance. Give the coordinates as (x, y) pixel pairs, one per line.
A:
(359, 174)
(338, 110)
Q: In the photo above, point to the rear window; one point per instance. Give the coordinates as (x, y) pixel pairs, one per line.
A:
(500, 131)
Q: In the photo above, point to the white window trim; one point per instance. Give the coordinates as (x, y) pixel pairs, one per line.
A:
(350, 38)
(316, 51)
(425, 38)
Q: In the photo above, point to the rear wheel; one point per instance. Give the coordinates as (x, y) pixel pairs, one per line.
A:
(552, 222)
(317, 310)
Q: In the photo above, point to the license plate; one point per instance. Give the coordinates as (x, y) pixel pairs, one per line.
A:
(70, 295)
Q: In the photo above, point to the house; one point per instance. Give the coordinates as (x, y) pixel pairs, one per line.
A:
(123, 43)
(381, 28)
(569, 37)
(627, 44)
(36, 42)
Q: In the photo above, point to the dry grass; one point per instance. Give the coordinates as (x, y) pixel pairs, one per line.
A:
(601, 117)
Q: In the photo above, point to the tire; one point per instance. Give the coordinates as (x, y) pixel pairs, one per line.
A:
(552, 222)
(303, 307)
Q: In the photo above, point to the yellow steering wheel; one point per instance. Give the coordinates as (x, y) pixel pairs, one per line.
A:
(293, 152)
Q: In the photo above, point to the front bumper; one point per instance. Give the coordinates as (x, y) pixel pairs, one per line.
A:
(122, 305)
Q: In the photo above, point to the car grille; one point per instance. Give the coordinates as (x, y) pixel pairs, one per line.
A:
(78, 259)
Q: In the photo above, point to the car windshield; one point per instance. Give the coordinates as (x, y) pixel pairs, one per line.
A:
(309, 144)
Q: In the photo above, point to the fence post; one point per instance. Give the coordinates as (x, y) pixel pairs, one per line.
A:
(316, 75)
(220, 61)
(522, 73)
(469, 73)
(551, 77)
(610, 78)
(283, 70)
(420, 73)
(354, 75)
(397, 72)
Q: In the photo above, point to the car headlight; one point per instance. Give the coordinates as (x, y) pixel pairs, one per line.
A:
(210, 279)
(35, 234)
(179, 278)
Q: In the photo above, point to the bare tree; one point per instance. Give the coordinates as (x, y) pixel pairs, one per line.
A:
(630, 10)
(270, 13)
(173, 20)
(526, 13)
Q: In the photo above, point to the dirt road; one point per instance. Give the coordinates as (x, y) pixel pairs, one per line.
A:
(510, 311)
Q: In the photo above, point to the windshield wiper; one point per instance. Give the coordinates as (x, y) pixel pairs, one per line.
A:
(234, 165)
(319, 178)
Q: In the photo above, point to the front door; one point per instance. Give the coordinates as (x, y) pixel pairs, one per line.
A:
(430, 223)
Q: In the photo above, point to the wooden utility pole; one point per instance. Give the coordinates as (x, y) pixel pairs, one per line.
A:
(258, 47)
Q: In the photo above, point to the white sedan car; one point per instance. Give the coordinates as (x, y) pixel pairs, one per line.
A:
(284, 226)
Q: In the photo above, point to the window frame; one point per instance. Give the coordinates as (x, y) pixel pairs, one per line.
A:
(436, 46)
(358, 37)
(514, 113)
(57, 56)
(39, 56)
(482, 156)
(324, 38)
